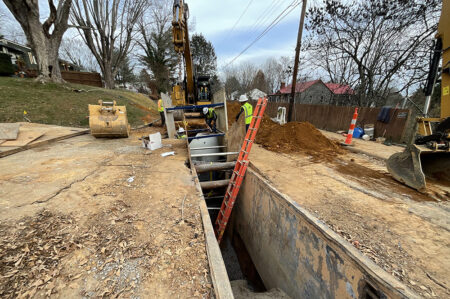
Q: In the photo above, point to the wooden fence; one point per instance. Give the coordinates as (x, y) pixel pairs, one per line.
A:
(85, 78)
(92, 79)
(338, 118)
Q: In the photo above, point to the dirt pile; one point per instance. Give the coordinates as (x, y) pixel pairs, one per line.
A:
(292, 137)
(295, 137)
(233, 109)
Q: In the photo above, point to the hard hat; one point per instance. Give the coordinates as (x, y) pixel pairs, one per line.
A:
(205, 110)
(181, 130)
(243, 98)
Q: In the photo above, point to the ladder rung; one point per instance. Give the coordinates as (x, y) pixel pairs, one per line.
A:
(239, 170)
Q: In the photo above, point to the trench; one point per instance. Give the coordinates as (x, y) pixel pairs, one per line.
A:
(237, 260)
(272, 243)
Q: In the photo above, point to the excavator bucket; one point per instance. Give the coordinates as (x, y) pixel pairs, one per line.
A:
(108, 120)
(417, 164)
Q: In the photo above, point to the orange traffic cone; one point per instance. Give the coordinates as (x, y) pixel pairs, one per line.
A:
(348, 141)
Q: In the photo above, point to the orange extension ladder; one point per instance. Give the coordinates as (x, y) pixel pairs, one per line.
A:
(239, 170)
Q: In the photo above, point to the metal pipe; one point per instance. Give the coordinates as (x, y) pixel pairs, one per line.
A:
(214, 184)
(206, 136)
(214, 154)
(194, 107)
(206, 147)
(214, 197)
(214, 167)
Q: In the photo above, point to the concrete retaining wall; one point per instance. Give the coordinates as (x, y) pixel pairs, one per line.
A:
(294, 251)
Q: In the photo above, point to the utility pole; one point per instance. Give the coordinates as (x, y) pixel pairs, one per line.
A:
(297, 58)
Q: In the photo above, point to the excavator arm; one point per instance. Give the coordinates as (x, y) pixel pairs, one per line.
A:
(182, 47)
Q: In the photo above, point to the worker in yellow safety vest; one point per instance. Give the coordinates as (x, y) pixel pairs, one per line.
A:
(247, 108)
(210, 118)
(161, 112)
(181, 133)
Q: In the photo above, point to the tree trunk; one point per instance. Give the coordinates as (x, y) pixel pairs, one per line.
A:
(46, 51)
(53, 59)
(108, 75)
(45, 44)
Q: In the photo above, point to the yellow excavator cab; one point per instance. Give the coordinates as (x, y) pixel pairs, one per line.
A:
(108, 120)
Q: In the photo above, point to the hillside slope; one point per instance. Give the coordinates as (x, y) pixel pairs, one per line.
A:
(59, 104)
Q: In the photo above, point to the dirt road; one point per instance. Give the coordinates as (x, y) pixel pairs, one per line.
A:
(97, 217)
(403, 231)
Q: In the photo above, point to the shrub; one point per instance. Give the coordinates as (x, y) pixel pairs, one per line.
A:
(6, 66)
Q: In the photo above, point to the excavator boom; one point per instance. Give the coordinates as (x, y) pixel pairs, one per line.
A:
(188, 94)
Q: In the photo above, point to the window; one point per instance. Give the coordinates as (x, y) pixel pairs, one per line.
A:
(31, 57)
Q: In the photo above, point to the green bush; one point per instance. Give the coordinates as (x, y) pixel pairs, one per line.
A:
(6, 66)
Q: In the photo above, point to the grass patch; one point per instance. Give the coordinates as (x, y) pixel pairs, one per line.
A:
(57, 104)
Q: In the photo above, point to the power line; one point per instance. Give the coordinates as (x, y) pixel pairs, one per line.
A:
(240, 17)
(277, 20)
(264, 17)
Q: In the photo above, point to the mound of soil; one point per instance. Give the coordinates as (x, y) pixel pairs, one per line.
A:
(233, 109)
(295, 137)
(292, 137)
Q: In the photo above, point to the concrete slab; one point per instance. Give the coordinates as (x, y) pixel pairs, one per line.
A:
(25, 137)
(9, 131)
(51, 133)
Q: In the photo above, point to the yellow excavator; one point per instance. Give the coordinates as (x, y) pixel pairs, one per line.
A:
(193, 90)
(427, 157)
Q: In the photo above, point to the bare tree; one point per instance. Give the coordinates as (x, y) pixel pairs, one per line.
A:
(75, 51)
(278, 71)
(9, 28)
(108, 28)
(259, 82)
(158, 52)
(44, 38)
(373, 45)
(2, 21)
(246, 71)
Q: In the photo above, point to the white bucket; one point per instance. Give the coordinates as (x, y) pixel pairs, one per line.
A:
(369, 130)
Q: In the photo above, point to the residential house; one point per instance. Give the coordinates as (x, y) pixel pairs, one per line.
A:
(23, 53)
(315, 92)
(342, 95)
(18, 52)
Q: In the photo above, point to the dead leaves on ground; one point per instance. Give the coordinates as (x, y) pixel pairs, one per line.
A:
(31, 253)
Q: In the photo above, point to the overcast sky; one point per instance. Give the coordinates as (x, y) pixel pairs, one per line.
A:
(217, 20)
